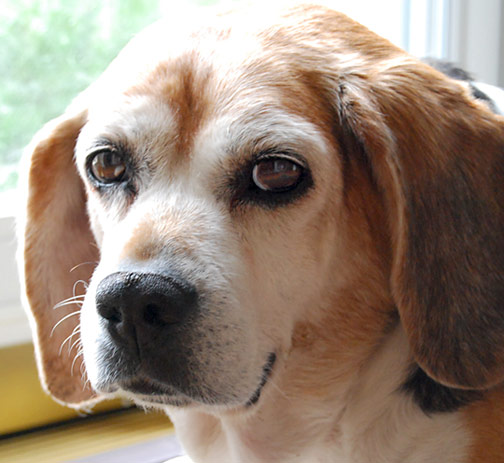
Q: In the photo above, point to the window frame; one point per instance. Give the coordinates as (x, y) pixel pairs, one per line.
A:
(475, 38)
(452, 23)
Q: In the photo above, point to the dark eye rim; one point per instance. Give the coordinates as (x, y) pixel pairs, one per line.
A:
(123, 178)
(301, 164)
(247, 193)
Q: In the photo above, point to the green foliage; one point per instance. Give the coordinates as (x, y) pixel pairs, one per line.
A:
(50, 51)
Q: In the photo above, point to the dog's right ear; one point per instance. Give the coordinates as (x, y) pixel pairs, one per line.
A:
(437, 158)
(57, 257)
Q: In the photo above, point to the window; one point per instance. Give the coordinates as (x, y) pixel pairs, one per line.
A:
(53, 49)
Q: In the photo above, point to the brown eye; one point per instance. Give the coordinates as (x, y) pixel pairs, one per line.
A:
(108, 167)
(276, 174)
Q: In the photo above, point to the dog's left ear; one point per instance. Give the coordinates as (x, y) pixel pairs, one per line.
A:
(438, 158)
(58, 255)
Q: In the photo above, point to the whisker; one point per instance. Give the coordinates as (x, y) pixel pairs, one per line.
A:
(74, 332)
(75, 286)
(79, 353)
(275, 386)
(65, 304)
(86, 382)
(76, 343)
(83, 372)
(71, 300)
(81, 264)
(66, 317)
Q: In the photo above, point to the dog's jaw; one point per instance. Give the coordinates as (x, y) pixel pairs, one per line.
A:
(361, 416)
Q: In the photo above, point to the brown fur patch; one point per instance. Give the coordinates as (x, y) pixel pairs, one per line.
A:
(485, 419)
(421, 218)
(51, 251)
(441, 173)
(183, 84)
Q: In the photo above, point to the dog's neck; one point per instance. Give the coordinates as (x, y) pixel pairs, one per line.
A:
(366, 419)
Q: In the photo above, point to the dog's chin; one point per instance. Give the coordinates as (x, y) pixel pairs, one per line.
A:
(148, 392)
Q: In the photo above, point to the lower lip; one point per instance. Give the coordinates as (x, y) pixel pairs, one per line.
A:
(267, 370)
(146, 393)
(146, 387)
(149, 391)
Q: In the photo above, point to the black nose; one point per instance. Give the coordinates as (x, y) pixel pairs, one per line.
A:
(137, 306)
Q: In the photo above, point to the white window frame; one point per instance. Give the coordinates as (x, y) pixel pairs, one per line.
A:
(467, 32)
(14, 328)
(476, 38)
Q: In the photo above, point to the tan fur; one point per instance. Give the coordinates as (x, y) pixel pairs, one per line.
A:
(402, 231)
(486, 421)
(183, 86)
(51, 253)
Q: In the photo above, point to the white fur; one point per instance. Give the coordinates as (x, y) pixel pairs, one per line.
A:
(496, 94)
(263, 273)
(180, 211)
(376, 424)
(364, 419)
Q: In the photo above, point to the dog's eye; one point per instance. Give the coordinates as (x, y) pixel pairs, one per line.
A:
(107, 166)
(276, 174)
(271, 179)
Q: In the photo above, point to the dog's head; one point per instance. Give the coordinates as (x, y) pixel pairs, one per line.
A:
(257, 199)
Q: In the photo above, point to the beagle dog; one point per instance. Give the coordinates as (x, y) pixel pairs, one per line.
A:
(284, 231)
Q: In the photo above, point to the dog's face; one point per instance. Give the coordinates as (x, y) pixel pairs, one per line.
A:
(223, 194)
(263, 202)
(212, 229)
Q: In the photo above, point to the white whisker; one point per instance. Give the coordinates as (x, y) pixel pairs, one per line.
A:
(278, 389)
(66, 317)
(76, 343)
(86, 382)
(71, 300)
(79, 354)
(75, 286)
(83, 371)
(81, 264)
(74, 332)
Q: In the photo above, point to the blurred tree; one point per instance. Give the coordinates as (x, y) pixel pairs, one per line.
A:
(50, 51)
(53, 49)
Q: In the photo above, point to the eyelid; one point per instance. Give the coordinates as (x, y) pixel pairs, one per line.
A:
(100, 148)
(114, 150)
(281, 154)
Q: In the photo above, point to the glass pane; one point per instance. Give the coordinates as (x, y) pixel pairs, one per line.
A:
(53, 49)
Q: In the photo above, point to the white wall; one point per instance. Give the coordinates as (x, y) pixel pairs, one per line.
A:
(476, 38)
(14, 327)
(468, 32)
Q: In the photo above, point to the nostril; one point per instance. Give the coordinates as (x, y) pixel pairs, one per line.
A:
(110, 313)
(151, 314)
(137, 304)
(155, 315)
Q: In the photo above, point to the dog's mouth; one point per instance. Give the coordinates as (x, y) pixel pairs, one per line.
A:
(267, 371)
(149, 391)
(147, 387)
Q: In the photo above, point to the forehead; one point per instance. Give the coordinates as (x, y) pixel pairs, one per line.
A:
(167, 134)
(209, 80)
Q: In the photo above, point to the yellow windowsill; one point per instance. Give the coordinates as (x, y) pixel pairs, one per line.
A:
(23, 403)
(85, 438)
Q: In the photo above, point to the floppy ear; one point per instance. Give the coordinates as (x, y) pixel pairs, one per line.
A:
(58, 256)
(438, 159)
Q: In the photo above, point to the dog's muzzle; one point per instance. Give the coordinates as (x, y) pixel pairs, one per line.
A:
(146, 317)
(159, 343)
(137, 307)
